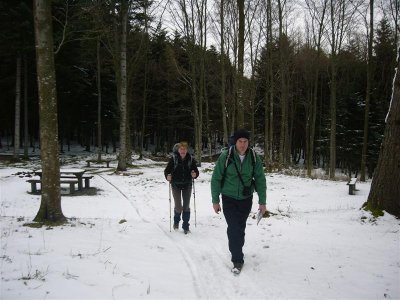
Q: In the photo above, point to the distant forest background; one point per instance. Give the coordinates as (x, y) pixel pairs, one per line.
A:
(312, 81)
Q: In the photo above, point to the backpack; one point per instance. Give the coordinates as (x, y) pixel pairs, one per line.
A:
(228, 160)
(175, 154)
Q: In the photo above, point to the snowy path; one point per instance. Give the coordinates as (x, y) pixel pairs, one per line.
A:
(118, 244)
(205, 255)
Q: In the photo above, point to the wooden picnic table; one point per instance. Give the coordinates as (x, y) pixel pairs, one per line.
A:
(78, 173)
(96, 161)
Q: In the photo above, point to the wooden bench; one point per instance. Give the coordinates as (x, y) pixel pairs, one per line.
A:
(69, 181)
(84, 176)
(352, 186)
(96, 161)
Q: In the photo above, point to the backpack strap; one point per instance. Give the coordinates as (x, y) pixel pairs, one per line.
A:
(228, 160)
(175, 157)
(190, 161)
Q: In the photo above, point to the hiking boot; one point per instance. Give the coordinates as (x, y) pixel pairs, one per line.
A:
(238, 266)
(176, 226)
(186, 231)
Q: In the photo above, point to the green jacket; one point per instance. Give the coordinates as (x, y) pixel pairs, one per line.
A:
(233, 187)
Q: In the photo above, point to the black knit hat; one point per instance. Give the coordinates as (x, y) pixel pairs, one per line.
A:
(241, 133)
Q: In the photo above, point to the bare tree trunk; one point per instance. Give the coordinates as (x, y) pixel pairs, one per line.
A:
(190, 32)
(368, 92)
(26, 124)
(254, 32)
(50, 205)
(341, 17)
(271, 85)
(332, 139)
(223, 107)
(232, 42)
(240, 98)
(144, 107)
(314, 11)
(201, 16)
(283, 140)
(385, 187)
(17, 120)
(395, 11)
(123, 108)
(99, 139)
(203, 77)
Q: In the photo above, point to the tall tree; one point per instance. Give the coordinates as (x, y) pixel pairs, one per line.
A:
(391, 10)
(17, 107)
(123, 100)
(385, 187)
(146, 17)
(317, 11)
(26, 125)
(269, 91)
(284, 147)
(240, 65)
(254, 31)
(340, 18)
(98, 83)
(190, 17)
(368, 91)
(223, 66)
(50, 205)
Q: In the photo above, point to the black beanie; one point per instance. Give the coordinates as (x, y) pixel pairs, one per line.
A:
(241, 133)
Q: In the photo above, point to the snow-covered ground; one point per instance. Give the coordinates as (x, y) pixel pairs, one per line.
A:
(318, 244)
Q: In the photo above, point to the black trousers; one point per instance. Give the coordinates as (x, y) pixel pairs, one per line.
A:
(236, 213)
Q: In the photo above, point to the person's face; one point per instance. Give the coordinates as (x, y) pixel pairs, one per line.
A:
(241, 145)
(182, 151)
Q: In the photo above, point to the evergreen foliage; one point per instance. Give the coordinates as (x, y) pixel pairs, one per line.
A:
(168, 111)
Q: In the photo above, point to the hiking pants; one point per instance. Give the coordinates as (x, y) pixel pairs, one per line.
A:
(182, 204)
(236, 213)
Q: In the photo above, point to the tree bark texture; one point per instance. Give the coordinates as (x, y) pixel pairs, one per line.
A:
(385, 187)
(17, 120)
(240, 97)
(283, 72)
(368, 92)
(99, 140)
(50, 205)
(26, 123)
(271, 85)
(223, 107)
(123, 104)
(332, 139)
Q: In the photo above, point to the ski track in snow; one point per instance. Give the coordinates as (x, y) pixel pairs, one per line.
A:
(208, 281)
(188, 261)
(126, 197)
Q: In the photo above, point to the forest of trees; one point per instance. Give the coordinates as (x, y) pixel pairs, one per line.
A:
(125, 80)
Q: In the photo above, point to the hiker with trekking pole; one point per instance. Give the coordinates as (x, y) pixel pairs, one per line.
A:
(181, 172)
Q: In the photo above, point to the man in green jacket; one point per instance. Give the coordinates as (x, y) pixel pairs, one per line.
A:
(236, 175)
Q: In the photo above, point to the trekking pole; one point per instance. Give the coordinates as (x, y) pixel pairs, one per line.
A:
(170, 207)
(194, 202)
